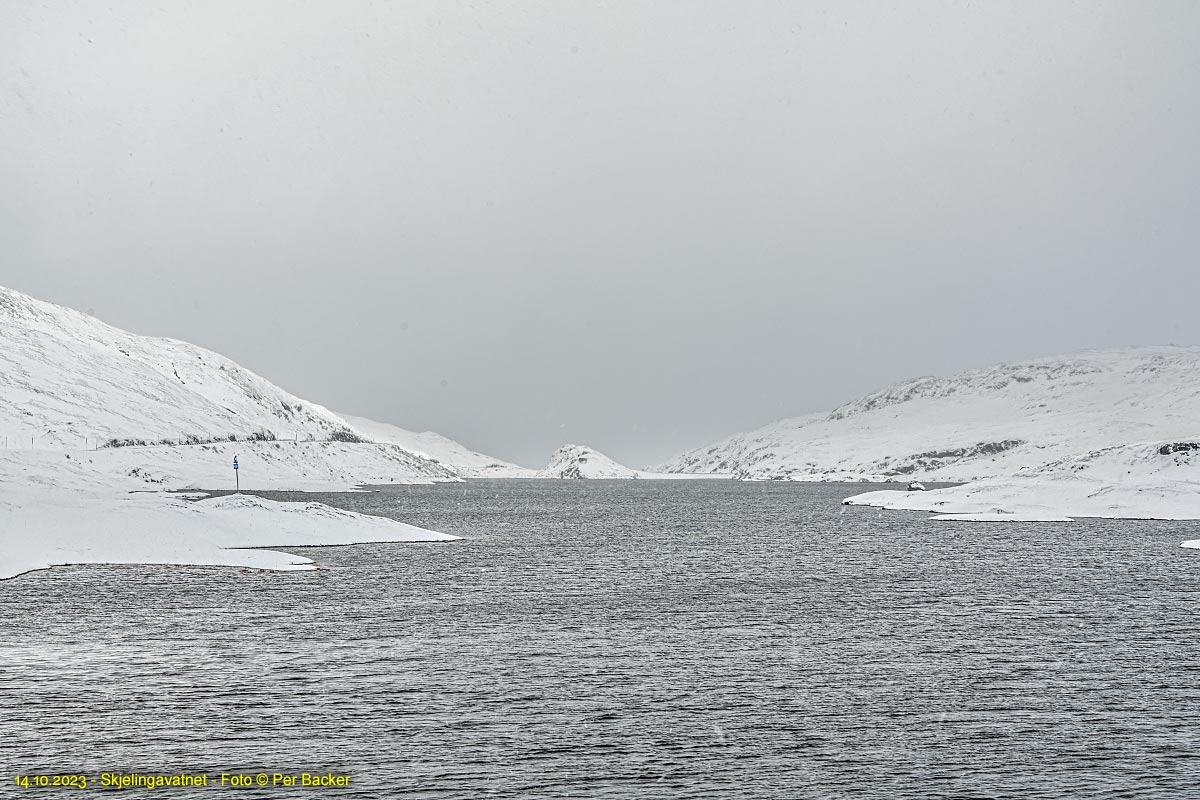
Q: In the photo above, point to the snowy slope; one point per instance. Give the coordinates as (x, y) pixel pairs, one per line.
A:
(979, 424)
(174, 412)
(465, 462)
(291, 466)
(66, 376)
(575, 461)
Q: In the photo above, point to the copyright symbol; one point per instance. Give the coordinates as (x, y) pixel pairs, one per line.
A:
(261, 778)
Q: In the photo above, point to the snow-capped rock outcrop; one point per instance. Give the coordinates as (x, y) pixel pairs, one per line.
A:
(575, 461)
(982, 423)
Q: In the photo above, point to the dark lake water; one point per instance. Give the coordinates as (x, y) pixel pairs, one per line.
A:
(632, 640)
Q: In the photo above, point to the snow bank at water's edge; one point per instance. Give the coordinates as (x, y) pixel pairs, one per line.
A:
(40, 528)
(1150, 480)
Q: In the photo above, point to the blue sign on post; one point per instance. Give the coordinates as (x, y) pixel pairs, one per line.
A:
(235, 462)
(237, 484)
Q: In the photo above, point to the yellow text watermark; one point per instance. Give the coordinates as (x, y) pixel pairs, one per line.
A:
(181, 780)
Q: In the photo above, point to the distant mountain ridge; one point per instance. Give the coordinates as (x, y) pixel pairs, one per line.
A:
(978, 424)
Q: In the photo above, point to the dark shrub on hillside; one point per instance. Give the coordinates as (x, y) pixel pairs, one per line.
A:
(346, 435)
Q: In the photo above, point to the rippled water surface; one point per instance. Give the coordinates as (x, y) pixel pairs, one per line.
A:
(633, 640)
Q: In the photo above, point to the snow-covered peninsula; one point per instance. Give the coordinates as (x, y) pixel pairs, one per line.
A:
(44, 526)
(97, 422)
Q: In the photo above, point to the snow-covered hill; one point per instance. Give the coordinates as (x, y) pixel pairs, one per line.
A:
(979, 424)
(575, 461)
(465, 462)
(66, 377)
(175, 414)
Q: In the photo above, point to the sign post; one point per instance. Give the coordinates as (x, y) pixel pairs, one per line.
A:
(236, 483)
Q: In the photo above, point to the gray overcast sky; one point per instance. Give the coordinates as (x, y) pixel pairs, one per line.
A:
(639, 226)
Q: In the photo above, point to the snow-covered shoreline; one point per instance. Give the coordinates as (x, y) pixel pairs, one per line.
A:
(45, 527)
(115, 505)
(1147, 480)
(1024, 499)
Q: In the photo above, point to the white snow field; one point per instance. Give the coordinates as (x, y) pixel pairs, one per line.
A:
(57, 509)
(284, 466)
(1152, 480)
(43, 526)
(980, 424)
